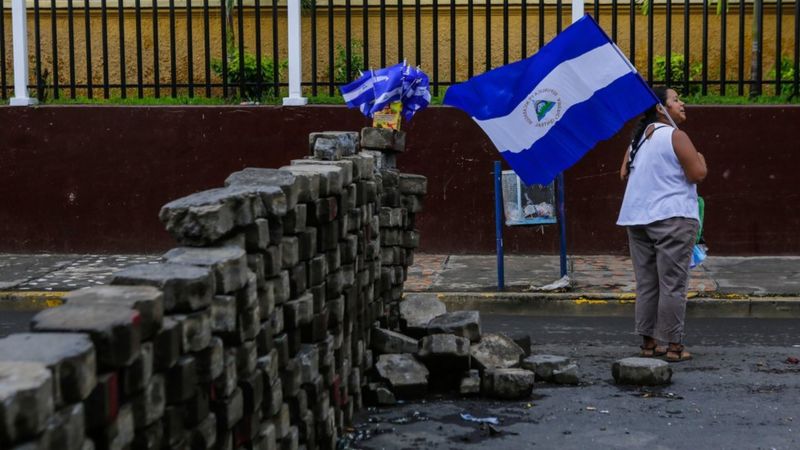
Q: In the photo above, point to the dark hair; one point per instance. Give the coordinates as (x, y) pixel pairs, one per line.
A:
(650, 116)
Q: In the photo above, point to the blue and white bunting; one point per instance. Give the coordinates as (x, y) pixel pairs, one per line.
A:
(545, 112)
(376, 89)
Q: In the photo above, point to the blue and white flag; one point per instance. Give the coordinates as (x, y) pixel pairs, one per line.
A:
(416, 92)
(388, 85)
(375, 89)
(545, 112)
(359, 93)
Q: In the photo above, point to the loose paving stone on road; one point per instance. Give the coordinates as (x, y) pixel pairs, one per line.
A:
(416, 310)
(387, 341)
(545, 366)
(461, 323)
(445, 352)
(470, 383)
(407, 376)
(508, 384)
(495, 351)
(641, 371)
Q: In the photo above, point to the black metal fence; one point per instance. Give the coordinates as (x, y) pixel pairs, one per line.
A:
(237, 48)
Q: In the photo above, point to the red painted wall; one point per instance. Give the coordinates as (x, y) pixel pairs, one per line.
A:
(92, 179)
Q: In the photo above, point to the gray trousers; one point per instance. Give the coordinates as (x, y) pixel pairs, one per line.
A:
(661, 253)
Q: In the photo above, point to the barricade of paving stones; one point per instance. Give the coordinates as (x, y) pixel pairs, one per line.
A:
(254, 333)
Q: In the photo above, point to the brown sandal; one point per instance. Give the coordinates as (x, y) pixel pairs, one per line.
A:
(652, 352)
(677, 353)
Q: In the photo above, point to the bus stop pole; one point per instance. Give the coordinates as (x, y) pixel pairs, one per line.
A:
(562, 222)
(498, 223)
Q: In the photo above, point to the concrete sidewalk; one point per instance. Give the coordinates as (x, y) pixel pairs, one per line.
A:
(598, 284)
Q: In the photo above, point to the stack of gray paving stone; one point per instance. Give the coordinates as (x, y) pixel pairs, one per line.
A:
(255, 332)
(441, 351)
(401, 197)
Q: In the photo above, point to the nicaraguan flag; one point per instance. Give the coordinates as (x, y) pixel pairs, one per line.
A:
(359, 93)
(387, 85)
(416, 92)
(545, 112)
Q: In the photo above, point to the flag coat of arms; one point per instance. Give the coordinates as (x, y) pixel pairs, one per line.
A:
(545, 112)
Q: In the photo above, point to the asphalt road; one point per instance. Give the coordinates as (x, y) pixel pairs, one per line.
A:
(738, 393)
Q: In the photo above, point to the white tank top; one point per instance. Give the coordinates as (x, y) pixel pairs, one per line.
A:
(657, 186)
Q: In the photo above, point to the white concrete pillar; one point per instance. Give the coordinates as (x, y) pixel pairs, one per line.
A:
(294, 40)
(19, 31)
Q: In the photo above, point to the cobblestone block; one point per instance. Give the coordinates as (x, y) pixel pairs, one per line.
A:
(204, 435)
(545, 366)
(272, 260)
(115, 331)
(185, 288)
(412, 184)
(307, 243)
(252, 387)
(196, 409)
(290, 252)
(246, 358)
(168, 344)
(145, 299)
(295, 220)
(330, 177)
(210, 361)
(470, 383)
(323, 210)
(226, 382)
(26, 400)
(461, 323)
(496, 351)
(149, 438)
(641, 371)
(417, 310)
(181, 380)
(445, 352)
(195, 329)
(136, 376)
(223, 314)
(148, 407)
(256, 236)
(69, 356)
(119, 433)
(343, 143)
(387, 341)
(173, 427)
(200, 218)
(383, 139)
(256, 176)
(508, 384)
(298, 312)
(407, 376)
(102, 405)
(298, 279)
(229, 264)
(229, 410)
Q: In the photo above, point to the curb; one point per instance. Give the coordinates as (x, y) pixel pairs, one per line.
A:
(30, 300)
(613, 304)
(535, 304)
